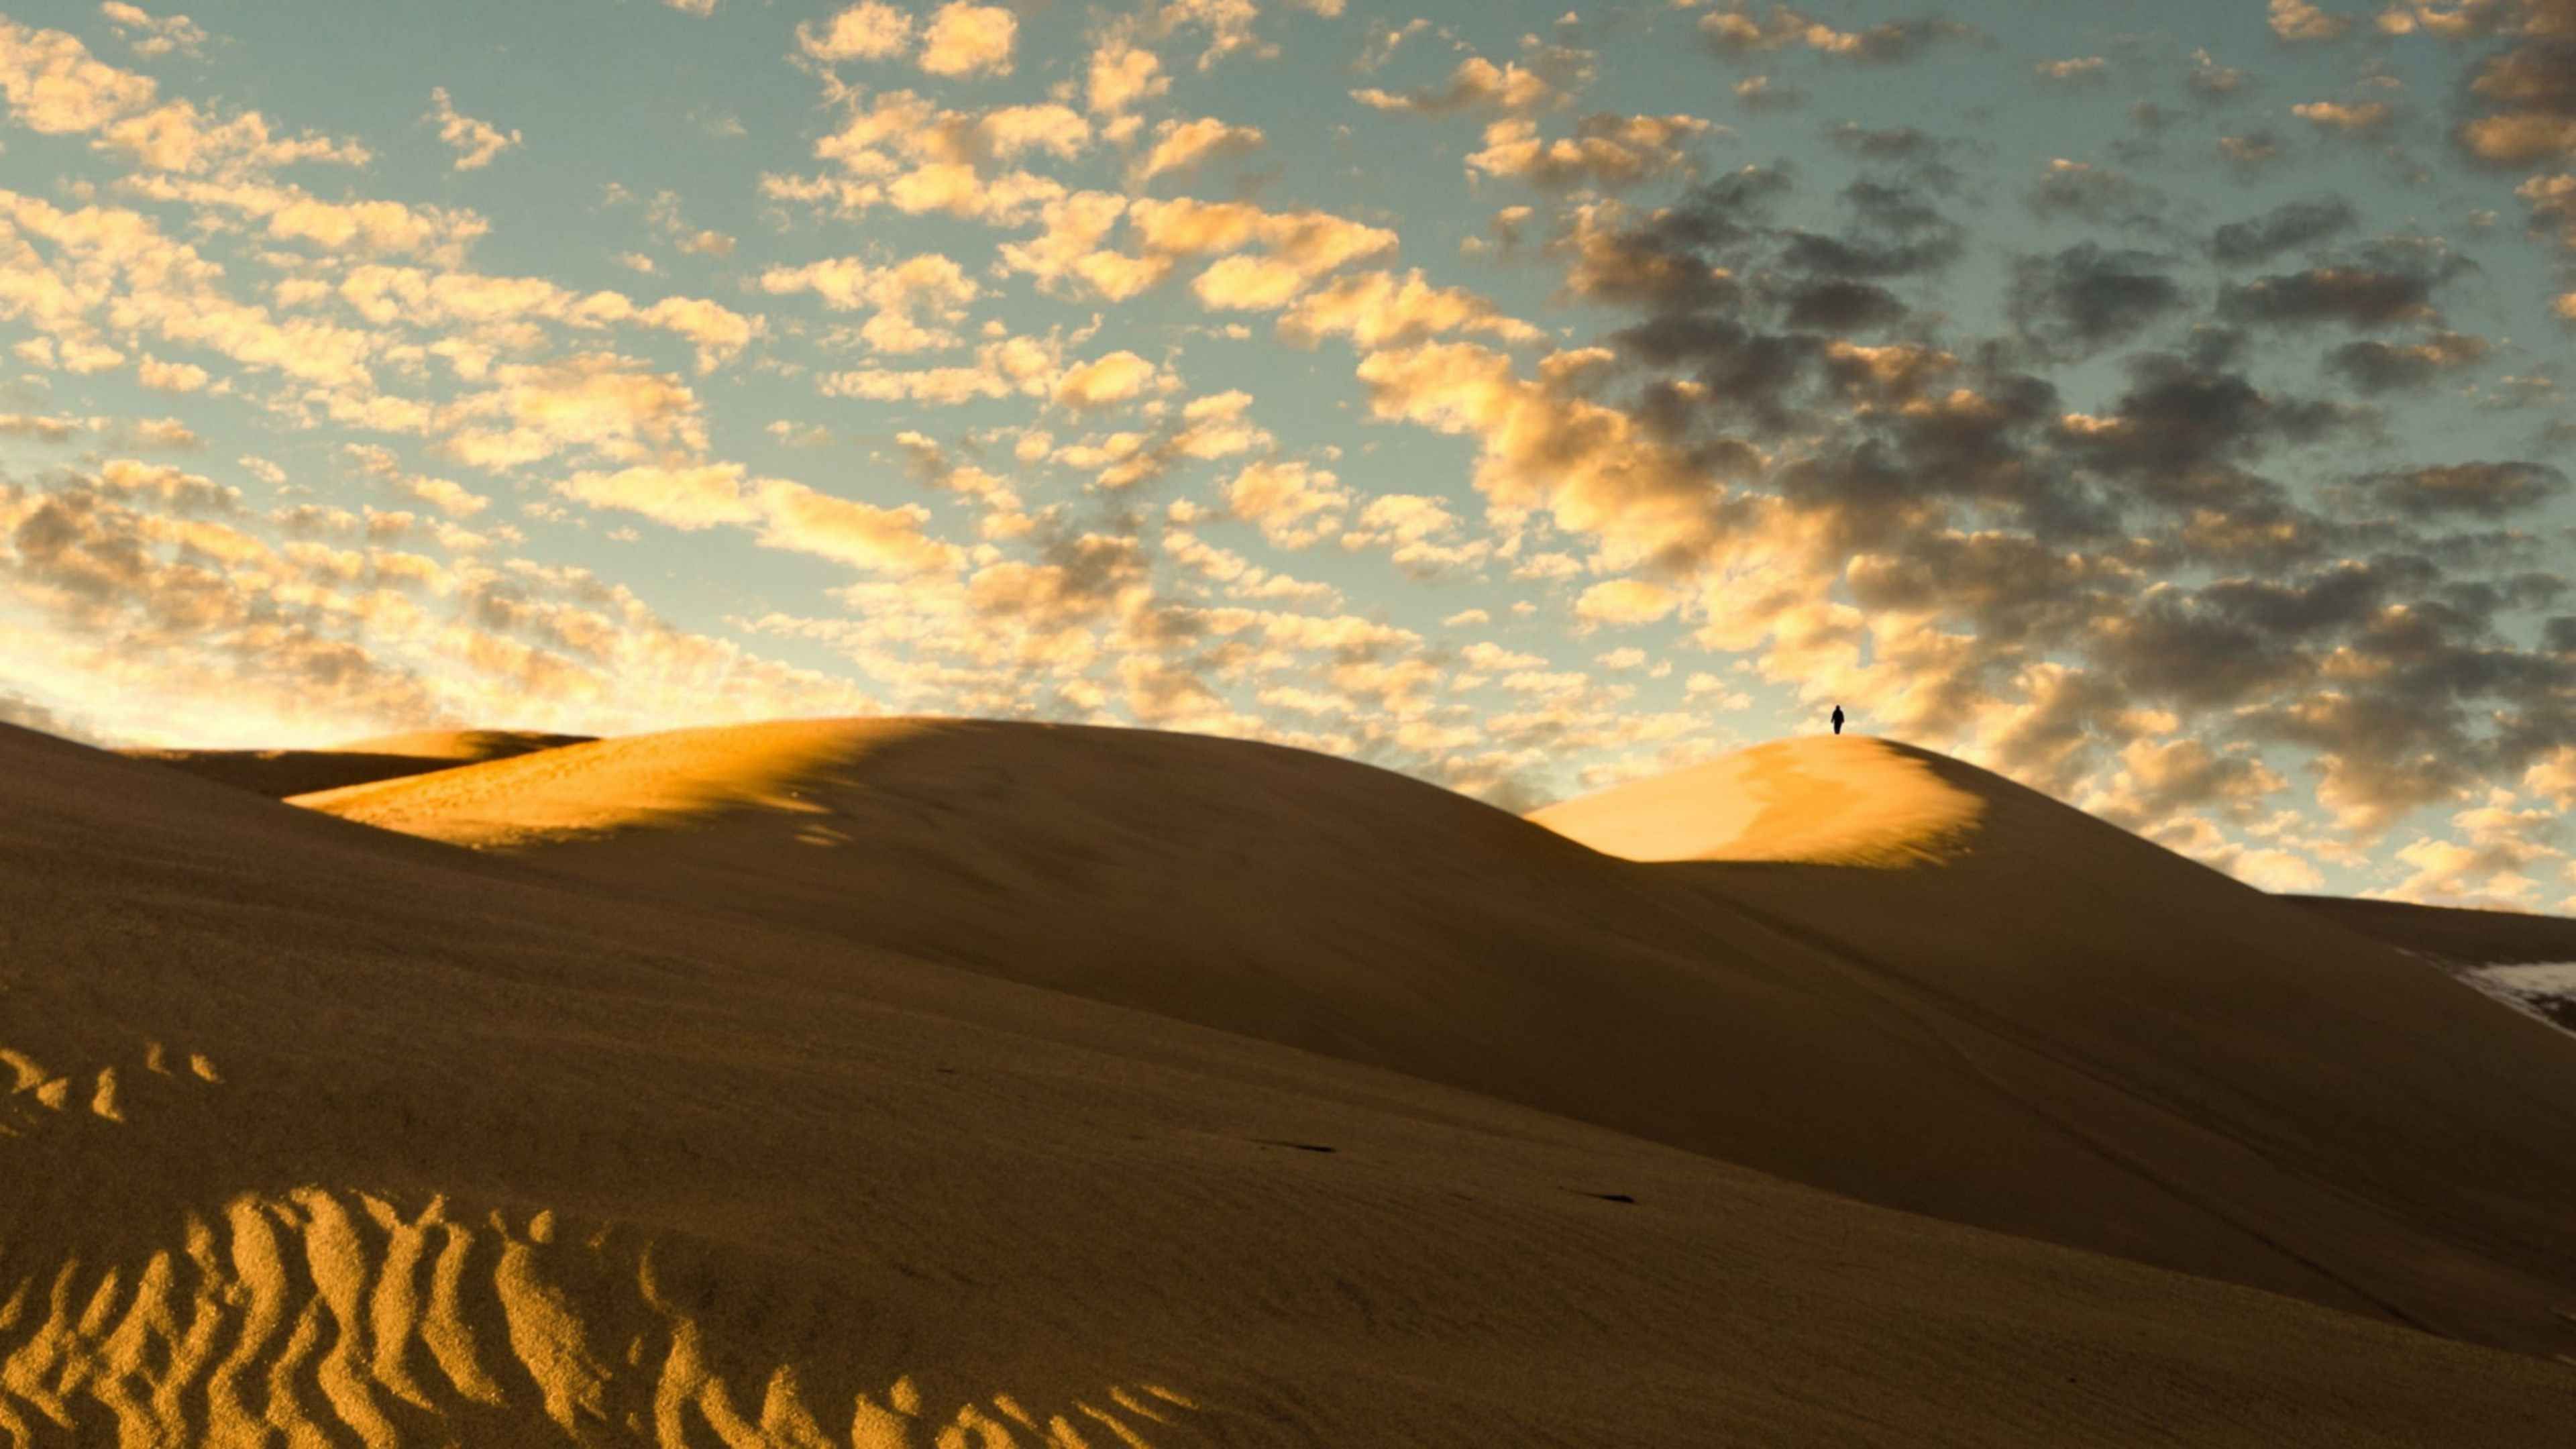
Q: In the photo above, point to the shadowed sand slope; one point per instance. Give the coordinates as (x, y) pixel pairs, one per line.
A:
(314, 1134)
(2055, 1030)
(2464, 937)
(280, 773)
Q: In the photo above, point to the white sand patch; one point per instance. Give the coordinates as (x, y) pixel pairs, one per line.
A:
(2545, 989)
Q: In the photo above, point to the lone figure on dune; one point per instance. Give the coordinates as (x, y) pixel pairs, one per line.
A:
(1838, 719)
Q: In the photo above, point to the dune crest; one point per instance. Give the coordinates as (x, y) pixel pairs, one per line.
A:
(605, 786)
(1831, 800)
(280, 773)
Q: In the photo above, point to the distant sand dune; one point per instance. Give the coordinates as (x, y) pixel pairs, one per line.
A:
(280, 773)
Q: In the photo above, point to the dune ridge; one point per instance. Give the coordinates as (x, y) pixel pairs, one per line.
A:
(280, 773)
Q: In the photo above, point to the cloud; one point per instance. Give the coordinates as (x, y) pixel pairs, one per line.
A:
(55, 88)
(2486, 490)
(2527, 93)
(388, 295)
(2377, 367)
(686, 498)
(1181, 146)
(591, 403)
(1476, 84)
(1379, 309)
(2287, 227)
(862, 535)
(369, 227)
(784, 514)
(2347, 118)
(965, 39)
(2097, 194)
(2356, 296)
(908, 152)
(2552, 200)
(2250, 153)
(1113, 378)
(1294, 504)
(1121, 74)
(1738, 32)
(898, 294)
(2211, 82)
(162, 376)
(2299, 20)
(1625, 601)
(872, 30)
(2085, 298)
(1605, 150)
(1761, 93)
(475, 142)
(151, 35)
(2085, 70)
(144, 611)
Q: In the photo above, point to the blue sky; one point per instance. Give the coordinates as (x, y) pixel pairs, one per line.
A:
(2157, 403)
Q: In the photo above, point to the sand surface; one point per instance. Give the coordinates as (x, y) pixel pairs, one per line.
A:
(280, 773)
(326, 1134)
(2015, 1016)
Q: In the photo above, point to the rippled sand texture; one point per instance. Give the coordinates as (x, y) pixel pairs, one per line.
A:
(317, 1133)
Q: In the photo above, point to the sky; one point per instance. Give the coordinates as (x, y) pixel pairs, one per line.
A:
(2159, 404)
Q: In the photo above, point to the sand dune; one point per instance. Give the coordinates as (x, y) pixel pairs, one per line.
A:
(279, 773)
(2526, 961)
(2482, 938)
(332, 1135)
(2039, 1024)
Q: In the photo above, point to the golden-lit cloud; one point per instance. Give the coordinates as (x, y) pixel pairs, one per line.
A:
(475, 142)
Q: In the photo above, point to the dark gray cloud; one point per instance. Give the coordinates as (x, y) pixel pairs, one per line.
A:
(1915, 154)
(2486, 490)
(2382, 292)
(2287, 227)
(2097, 194)
(2251, 154)
(2086, 298)
(2377, 367)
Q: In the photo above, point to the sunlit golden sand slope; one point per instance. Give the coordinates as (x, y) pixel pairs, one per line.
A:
(2027, 1020)
(279, 773)
(325, 1135)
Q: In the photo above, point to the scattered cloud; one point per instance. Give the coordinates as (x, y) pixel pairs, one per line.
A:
(475, 142)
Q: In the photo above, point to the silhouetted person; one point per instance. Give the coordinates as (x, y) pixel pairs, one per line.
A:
(1838, 719)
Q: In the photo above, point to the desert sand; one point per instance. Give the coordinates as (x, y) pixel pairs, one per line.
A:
(877, 1083)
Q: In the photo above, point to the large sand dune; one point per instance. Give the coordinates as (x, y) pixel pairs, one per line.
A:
(325, 1135)
(280, 773)
(1941, 993)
